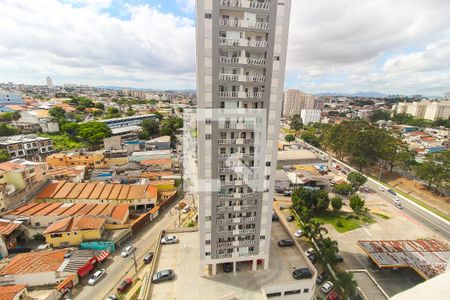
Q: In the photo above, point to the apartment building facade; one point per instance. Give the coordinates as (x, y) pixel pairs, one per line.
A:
(429, 110)
(26, 146)
(241, 57)
(294, 101)
(310, 116)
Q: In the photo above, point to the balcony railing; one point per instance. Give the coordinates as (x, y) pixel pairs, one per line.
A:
(226, 255)
(249, 253)
(246, 4)
(244, 78)
(234, 95)
(224, 221)
(229, 60)
(256, 61)
(242, 60)
(254, 95)
(242, 43)
(244, 24)
(224, 245)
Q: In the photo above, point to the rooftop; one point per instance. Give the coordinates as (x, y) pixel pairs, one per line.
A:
(183, 258)
(9, 292)
(126, 129)
(428, 258)
(69, 190)
(7, 227)
(35, 262)
(76, 224)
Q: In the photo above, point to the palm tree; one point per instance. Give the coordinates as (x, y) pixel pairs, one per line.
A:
(314, 229)
(328, 249)
(347, 284)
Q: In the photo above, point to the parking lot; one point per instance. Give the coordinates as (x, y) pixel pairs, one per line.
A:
(183, 258)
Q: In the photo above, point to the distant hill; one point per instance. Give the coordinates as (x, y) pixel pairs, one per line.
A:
(359, 94)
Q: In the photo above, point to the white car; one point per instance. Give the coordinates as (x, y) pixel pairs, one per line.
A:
(298, 233)
(396, 200)
(186, 209)
(381, 188)
(96, 277)
(169, 239)
(309, 251)
(128, 250)
(327, 287)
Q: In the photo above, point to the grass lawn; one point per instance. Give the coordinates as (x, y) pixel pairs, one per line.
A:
(342, 221)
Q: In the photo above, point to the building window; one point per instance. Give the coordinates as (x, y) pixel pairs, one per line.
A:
(267, 163)
(262, 237)
(273, 295)
(305, 290)
(207, 121)
(208, 218)
(207, 136)
(277, 58)
(207, 253)
(208, 16)
(267, 177)
(292, 292)
(208, 242)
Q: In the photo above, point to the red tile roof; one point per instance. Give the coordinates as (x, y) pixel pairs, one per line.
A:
(120, 211)
(50, 190)
(87, 191)
(106, 191)
(75, 224)
(7, 227)
(152, 192)
(115, 192)
(161, 161)
(98, 209)
(136, 192)
(35, 262)
(76, 191)
(124, 192)
(10, 291)
(97, 191)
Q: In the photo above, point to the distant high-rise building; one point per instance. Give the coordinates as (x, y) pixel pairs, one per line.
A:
(429, 110)
(294, 101)
(241, 57)
(310, 116)
(447, 96)
(49, 83)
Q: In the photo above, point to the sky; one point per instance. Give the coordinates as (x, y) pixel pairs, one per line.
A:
(346, 46)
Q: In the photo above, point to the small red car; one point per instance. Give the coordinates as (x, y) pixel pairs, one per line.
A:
(125, 285)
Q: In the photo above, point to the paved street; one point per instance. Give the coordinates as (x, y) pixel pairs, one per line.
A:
(436, 224)
(120, 268)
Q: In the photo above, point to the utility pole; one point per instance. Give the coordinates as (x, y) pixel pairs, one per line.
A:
(135, 263)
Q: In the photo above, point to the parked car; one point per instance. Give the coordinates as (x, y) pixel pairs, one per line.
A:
(309, 251)
(285, 243)
(274, 216)
(163, 275)
(298, 233)
(392, 192)
(321, 277)
(398, 205)
(68, 255)
(381, 188)
(339, 258)
(227, 267)
(186, 209)
(302, 273)
(148, 258)
(290, 218)
(169, 239)
(327, 287)
(313, 258)
(111, 297)
(96, 276)
(287, 193)
(128, 250)
(125, 285)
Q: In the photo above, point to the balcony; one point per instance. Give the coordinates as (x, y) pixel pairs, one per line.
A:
(246, 4)
(242, 60)
(243, 126)
(226, 255)
(242, 78)
(242, 43)
(225, 245)
(248, 253)
(236, 95)
(224, 221)
(244, 24)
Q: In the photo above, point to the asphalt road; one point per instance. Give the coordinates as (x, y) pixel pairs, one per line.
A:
(119, 268)
(433, 222)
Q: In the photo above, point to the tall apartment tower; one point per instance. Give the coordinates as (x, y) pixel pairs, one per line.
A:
(241, 57)
(49, 83)
(294, 101)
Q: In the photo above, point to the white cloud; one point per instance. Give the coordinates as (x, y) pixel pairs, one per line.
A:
(151, 49)
(186, 5)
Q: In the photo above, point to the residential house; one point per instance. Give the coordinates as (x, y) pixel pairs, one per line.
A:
(9, 230)
(144, 155)
(14, 292)
(35, 268)
(89, 159)
(19, 180)
(40, 117)
(159, 143)
(26, 146)
(72, 231)
(162, 164)
(72, 174)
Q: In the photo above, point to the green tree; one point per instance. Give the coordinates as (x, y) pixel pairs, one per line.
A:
(328, 249)
(71, 128)
(93, 133)
(7, 130)
(310, 199)
(112, 112)
(356, 179)
(296, 122)
(170, 125)
(322, 200)
(313, 229)
(379, 114)
(336, 203)
(151, 126)
(57, 112)
(347, 284)
(4, 155)
(343, 189)
(435, 169)
(356, 203)
(9, 116)
(99, 105)
(289, 138)
(311, 138)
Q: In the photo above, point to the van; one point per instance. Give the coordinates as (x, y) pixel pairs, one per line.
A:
(148, 258)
